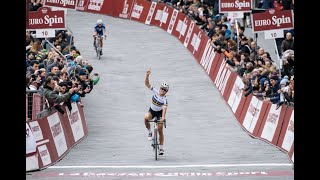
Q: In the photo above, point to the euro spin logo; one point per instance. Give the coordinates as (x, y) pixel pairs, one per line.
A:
(236, 4)
(275, 20)
(67, 2)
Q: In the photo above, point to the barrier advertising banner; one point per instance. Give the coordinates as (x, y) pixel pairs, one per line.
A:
(150, 14)
(31, 146)
(75, 122)
(181, 26)
(57, 133)
(81, 5)
(45, 18)
(70, 4)
(236, 93)
(286, 137)
(140, 10)
(173, 20)
(272, 123)
(252, 114)
(272, 20)
(123, 9)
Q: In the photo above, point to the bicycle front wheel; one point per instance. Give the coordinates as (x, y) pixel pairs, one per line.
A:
(155, 142)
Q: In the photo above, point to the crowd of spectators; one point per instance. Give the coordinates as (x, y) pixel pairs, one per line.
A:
(260, 73)
(56, 69)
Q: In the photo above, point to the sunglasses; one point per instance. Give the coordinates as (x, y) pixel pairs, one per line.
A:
(164, 89)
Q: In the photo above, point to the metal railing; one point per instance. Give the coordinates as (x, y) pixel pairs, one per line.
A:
(35, 103)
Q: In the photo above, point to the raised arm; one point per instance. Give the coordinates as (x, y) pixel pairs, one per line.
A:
(146, 81)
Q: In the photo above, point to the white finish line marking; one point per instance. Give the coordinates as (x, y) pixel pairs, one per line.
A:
(171, 166)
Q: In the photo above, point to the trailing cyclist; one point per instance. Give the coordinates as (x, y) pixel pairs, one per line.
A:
(157, 109)
(99, 30)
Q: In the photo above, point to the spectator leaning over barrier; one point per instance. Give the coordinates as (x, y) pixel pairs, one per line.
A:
(275, 86)
(52, 95)
(86, 86)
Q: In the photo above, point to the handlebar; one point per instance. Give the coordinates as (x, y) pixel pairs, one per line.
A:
(158, 122)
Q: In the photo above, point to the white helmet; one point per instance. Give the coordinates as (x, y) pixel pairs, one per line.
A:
(99, 21)
(165, 86)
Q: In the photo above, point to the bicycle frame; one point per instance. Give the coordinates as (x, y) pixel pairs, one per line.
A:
(98, 45)
(155, 144)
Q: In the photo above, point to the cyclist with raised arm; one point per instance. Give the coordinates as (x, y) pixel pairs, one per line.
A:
(157, 109)
(99, 30)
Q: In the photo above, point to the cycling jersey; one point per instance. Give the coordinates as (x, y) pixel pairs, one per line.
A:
(99, 30)
(157, 100)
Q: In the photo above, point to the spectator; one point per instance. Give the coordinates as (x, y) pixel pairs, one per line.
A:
(288, 43)
(35, 5)
(53, 97)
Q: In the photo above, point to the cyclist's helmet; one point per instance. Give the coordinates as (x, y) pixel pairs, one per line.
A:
(165, 86)
(99, 21)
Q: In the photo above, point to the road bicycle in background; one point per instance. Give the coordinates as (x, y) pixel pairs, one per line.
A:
(97, 45)
(155, 140)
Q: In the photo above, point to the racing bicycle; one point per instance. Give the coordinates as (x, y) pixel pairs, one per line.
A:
(97, 46)
(155, 140)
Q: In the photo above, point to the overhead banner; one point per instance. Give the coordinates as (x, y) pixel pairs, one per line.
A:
(45, 18)
(272, 20)
(70, 4)
(226, 6)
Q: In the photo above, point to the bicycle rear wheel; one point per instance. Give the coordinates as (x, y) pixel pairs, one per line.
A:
(99, 54)
(155, 142)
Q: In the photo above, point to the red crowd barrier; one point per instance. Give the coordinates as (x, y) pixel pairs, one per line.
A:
(259, 119)
(55, 135)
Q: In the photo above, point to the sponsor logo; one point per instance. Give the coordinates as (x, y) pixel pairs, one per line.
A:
(95, 5)
(63, 2)
(56, 129)
(275, 20)
(187, 39)
(236, 4)
(44, 153)
(74, 117)
(291, 126)
(237, 90)
(172, 21)
(207, 57)
(35, 128)
(253, 110)
(124, 13)
(137, 10)
(272, 118)
(46, 20)
(80, 5)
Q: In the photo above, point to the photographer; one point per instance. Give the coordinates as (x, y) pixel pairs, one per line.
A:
(51, 93)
